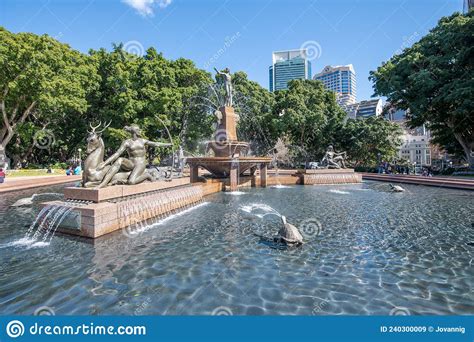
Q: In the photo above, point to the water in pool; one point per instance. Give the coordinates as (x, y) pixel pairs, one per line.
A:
(367, 252)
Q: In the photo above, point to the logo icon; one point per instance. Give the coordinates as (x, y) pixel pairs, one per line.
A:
(313, 49)
(222, 311)
(399, 311)
(134, 47)
(44, 311)
(15, 329)
(311, 227)
(44, 139)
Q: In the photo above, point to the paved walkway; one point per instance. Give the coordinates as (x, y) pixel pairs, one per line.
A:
(22, 183)
(444, 182)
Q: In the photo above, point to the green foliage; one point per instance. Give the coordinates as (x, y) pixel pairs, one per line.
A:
(49, 87)
(138, 89)
(368, 140)
(43, 82)
(308, 113)
(254, 105)
(434, 79)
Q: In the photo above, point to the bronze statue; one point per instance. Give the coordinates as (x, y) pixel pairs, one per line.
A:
(334, 160)
(228, 85)
(92, 176)
(289, 234)
(135, 164)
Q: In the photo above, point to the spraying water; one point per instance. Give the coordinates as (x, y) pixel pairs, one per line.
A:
(260, 210)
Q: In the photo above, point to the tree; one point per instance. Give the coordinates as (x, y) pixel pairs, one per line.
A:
(308, 113)
(254, 105)
(434, 79)
(368, 140)
(149, 91)
(42, 81)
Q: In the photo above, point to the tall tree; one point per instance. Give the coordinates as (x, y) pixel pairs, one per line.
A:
(254, 105)
(308, 113)
(434, 79)
(41, 80)
(368, 140)
(150, 91)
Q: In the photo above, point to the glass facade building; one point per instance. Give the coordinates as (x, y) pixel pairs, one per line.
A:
(468, 4)
(286, 66)
(341, 80)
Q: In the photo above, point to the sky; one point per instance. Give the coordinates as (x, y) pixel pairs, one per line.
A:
(241, 34)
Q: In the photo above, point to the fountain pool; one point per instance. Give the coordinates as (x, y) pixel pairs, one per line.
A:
(367, 252)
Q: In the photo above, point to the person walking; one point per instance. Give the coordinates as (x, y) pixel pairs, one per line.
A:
(2, 175)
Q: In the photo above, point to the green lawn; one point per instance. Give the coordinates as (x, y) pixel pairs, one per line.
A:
(29, 173)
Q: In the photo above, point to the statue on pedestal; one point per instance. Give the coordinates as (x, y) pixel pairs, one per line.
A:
(117, 169)
(228, 85)
(91, 176)
(135, 163)
(334, 160)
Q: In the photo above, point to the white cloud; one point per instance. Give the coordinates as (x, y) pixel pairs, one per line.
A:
(145, 7)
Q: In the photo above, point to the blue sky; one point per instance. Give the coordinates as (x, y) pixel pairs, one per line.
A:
(361, 32)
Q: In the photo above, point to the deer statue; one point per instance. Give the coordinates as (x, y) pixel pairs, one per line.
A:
(92, 177)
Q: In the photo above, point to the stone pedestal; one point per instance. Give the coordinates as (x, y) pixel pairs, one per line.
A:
(127, 206)
(227, 130)
(234, 177)
(230, 161)
(330, 176)
(120, 191)
(194, 173)
(263, 175)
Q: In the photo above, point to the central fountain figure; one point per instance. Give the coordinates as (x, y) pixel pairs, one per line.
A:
(136, 162)
(228, 85)
(230, 161)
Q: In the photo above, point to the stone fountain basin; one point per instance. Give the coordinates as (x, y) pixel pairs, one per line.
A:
(228, 148)
(221, 166)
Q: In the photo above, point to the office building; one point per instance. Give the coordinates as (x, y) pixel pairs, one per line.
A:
(286, 66)
(369, 108)
(342, 80)
(416, 149)
(468, 4)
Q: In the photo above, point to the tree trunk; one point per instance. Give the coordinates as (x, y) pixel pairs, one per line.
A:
(10, 127)
(28, 153)
(468, 147)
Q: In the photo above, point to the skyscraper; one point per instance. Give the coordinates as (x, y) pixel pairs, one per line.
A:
(286, 66)
(468, 4)
(342, 80)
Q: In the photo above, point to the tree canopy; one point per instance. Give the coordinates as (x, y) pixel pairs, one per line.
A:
(42, 82)
(309, 114)
(50, 93)
(434, 81)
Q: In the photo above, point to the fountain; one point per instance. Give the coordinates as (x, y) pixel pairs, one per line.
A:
(121, 192)
(230, 162)
(117, 193)
(331, 170)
